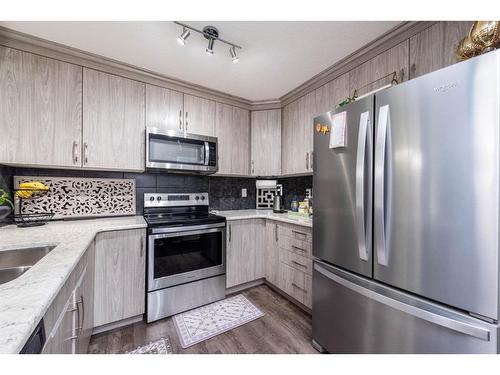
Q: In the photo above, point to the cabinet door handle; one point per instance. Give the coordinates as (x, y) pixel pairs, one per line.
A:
(299, 288)
(312, 158)
(298, 248)
(307, 160)
(187, 123)
(299, 264)
(229, 232)
(276, 232)
(180, 119)
(252, 167)
(142, 246)
(75, 152)
(86, 152)
(81, 302)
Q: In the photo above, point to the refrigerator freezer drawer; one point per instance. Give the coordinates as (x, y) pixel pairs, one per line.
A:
(355, 315)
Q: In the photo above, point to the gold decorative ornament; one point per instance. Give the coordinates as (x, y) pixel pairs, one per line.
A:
(486, 34)
(483, 36)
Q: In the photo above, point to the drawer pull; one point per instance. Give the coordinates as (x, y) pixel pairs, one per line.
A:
(299, 288)
(299, 264)
(299, 248)
(301, 233)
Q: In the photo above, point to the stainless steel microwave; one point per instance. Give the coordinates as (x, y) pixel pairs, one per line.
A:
(180, 152)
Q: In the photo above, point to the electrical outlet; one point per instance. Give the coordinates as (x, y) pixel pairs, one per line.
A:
(243, 193)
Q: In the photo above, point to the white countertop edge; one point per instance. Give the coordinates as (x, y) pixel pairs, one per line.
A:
(264, 214)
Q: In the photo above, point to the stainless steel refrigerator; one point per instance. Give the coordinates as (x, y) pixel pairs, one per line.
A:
(406, 216)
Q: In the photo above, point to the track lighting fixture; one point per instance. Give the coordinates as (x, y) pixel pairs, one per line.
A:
(212, 34)
(182, 38)
(234, 56)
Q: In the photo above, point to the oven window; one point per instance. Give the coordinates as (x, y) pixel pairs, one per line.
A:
(175, 255)
(175, 150)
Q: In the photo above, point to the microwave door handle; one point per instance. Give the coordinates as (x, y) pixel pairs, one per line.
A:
(383, 186)
(363, 211)
(207, 153)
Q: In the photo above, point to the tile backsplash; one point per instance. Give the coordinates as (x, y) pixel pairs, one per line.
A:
(224, 192)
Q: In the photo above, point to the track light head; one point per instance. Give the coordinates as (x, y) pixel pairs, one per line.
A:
(210, 48)
(234, 56)
(182, 38)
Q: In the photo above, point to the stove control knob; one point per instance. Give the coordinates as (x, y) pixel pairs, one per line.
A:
(202, 197)
(152, 199)
(158, 198)
(197, 197)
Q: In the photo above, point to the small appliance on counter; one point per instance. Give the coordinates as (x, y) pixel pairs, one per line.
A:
(267, 190)
(278, 205)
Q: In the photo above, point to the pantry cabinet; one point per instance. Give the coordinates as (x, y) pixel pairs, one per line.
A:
(199, 115)
(40, 110)
(233, 133)
(119, 282)
(113, 122)
(266, 143)
(435, 47)
(377, 72)
(164, 108)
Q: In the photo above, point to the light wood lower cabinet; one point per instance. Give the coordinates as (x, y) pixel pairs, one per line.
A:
(68, 321)
(258, 248)
(119, 283)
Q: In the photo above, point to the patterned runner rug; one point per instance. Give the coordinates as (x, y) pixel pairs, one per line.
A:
(161, 346)
(205, 322)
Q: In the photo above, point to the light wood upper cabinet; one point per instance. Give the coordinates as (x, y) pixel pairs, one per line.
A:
(297, 135)
(164, 108)
(266, 143)
(331, 94)
(233, 133)
(199, 115)
(113, 122)
(120, 269)
(390, 61)
(40, 110)
(435, 47)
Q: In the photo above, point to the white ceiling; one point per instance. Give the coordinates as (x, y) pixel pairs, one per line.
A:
(276, 56)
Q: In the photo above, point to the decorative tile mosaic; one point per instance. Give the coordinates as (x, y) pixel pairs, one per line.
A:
(80, 197)
(265, 197)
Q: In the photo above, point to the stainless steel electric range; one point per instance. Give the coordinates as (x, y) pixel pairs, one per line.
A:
(186, 265)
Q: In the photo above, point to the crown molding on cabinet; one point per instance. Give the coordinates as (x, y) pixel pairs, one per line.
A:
(29, 43)
(25, 42)
(396, 35)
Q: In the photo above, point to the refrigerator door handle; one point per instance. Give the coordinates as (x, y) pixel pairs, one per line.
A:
(364, 211)
(383, 183)
(432, 317)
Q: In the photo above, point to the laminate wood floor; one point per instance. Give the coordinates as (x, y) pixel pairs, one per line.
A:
(283, 329)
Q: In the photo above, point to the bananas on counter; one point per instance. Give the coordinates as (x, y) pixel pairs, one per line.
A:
(26, 189)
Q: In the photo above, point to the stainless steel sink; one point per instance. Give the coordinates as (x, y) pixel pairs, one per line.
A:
(15, 262)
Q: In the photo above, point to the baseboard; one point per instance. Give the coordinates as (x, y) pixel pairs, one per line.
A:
(118, 324)
(242, 287)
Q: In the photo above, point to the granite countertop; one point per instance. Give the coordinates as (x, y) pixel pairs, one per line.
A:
(25, 300)
(265, 214)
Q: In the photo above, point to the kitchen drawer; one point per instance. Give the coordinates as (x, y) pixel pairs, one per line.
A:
(296, 232)
(303, 248)
(295, 283)
(296, 261)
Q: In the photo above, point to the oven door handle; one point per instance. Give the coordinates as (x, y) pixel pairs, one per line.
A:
(180, 231)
